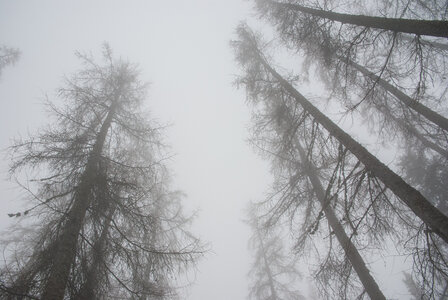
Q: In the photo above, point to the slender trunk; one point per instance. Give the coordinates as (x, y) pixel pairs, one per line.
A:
(419, 27)
(350, 250)
(65, 254)
(429, 114)
(430, 215)
(268, 269)
(407, 127)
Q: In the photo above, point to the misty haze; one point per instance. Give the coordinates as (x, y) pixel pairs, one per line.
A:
(241, 149)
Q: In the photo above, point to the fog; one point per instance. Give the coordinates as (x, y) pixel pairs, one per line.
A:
(182, 49)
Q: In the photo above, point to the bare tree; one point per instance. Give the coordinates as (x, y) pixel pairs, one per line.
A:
(401, 87)
(103, 187)
(252, 59)
(353, 196)
(383, 50)
(402, 74)
(419, 27)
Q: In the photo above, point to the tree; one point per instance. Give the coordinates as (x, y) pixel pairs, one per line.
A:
(105, 213)
(8, 56)
(350, 250)
(400, 91)
(389, 60)
(252, 59)
(273, 272)
(294, 159)
(412, 287)
(431, 115)
(389, 51)
(419, 27)
(343, 182)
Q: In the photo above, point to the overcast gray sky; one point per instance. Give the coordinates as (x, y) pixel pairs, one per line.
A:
(182, 48)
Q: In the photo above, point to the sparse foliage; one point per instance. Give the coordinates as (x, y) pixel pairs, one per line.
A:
(377, 60)
(274, 273)
(105, 220)
(397, 79)
(353, 183)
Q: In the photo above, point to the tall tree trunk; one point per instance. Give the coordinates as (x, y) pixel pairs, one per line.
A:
(350, 250)
(429, 114)
(268, 269)
(430, 215)
(65, 254)
(418, 27)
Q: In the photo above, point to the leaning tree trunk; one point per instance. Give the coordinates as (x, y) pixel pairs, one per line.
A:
(65, 254)
(418, 27)
(350, 250)
(423, 208)
(423, 110)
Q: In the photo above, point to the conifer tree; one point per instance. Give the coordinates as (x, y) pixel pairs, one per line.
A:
(274, 273)
(106, 222)
(353, 194)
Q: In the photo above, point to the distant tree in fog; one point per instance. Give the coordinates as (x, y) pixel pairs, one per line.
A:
(412, 287)
(105, 222)
(429, 174)
(274, 272)
(8, 56)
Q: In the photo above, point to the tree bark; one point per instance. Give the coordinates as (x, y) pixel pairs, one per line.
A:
(350, 250)
(66, 251)
(419, 27)
(429, 114)
(430, 215)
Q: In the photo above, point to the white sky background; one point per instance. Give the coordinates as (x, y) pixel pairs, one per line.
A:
(182, 48)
